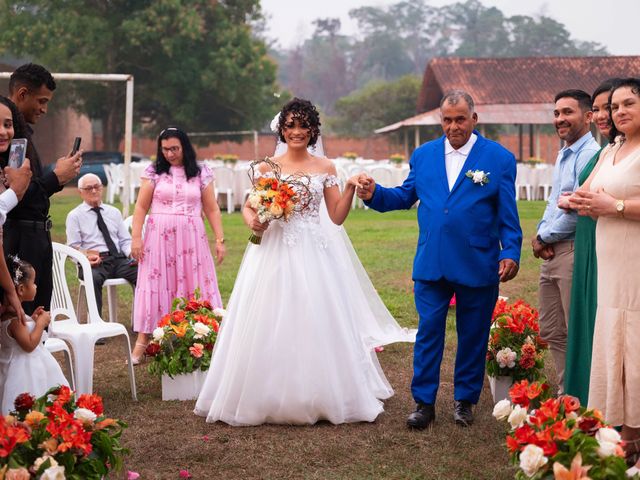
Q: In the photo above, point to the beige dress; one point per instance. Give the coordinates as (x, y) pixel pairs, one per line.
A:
(615, 367)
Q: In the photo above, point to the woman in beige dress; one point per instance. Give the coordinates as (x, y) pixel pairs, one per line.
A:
(612, 195)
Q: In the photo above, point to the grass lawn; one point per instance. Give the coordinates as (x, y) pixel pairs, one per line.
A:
(165, 437)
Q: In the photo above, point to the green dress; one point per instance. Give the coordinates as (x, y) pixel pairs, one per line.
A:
(582, 312)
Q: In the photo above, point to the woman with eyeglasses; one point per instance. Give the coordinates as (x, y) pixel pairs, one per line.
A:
(174, 256)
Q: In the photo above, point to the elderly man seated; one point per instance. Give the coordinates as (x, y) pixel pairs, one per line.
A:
(97, 230)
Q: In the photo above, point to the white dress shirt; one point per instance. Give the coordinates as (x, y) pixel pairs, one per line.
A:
(83, 231)
(454, 159)
(8, 200)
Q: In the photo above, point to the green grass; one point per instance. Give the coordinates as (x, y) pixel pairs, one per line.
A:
(165, 436)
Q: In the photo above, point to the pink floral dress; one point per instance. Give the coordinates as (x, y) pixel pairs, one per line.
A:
(177, 258)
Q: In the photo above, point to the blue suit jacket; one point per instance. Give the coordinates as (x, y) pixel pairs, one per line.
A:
(466, 232)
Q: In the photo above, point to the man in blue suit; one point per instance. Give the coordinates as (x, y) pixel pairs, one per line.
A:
(469, 241)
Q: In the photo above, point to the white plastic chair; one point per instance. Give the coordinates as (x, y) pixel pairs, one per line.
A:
(224, 179)
(112, 181)
(242, 183)
(383, 176)
(81, 336)
(524, 182)
(57, 345)
(545, 180)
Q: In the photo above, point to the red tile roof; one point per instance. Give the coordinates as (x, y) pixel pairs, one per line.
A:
(519, 80)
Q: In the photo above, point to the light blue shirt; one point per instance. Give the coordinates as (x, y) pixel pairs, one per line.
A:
(556, 224)
(83, 231)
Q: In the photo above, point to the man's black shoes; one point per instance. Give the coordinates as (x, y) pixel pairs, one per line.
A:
(422, 417)
(462, 413)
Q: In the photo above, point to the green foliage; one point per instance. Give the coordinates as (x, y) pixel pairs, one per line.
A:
(400, 39)
(196, 63)
(377, 104)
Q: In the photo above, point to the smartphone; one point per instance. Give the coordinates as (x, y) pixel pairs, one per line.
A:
(17, 152)
(76, 146)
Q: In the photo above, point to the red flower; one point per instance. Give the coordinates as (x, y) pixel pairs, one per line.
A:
(64, 395)
(91, 402)
(589, 424)
(550, 408)
(209, 346)
(571, 404)
(527, 362)
(512, 444)
(561, 431)
(192, 306)
(24, 402)
(152, 349)
(164, 321)
(10, 436)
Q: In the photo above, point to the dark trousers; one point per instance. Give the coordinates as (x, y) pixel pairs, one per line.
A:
(34, 246)
(112, 267)
(474, 308)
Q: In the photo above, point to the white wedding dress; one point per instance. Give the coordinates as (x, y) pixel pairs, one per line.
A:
(296, 345)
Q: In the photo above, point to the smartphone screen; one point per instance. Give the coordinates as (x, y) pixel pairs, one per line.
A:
(76, 145)
(17, 152)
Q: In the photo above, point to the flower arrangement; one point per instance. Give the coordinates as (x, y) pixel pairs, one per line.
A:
(534, 161)
(58, 436)
(273, 198)
(350, 155)
(184, 338)
(515, 347)
(397, 158)
(556, 438)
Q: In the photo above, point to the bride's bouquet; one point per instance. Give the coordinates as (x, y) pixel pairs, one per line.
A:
(274, 198)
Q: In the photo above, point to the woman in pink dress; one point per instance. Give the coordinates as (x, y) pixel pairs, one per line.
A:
(174, 257)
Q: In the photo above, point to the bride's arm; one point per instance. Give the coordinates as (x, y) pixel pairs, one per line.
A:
(338, 205)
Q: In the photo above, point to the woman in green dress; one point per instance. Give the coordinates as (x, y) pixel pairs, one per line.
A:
(582, 312)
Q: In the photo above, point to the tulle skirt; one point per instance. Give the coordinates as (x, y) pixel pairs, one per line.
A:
(291, 349)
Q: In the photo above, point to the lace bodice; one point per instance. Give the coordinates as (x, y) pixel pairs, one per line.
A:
(309, 218)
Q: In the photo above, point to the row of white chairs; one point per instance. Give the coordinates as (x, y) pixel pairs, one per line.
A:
(533, 183)
(115, 179)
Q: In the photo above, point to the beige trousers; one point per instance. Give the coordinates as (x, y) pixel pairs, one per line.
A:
(554, 298)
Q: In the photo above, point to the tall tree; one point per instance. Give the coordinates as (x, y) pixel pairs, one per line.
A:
(196, 63)
(377, 104)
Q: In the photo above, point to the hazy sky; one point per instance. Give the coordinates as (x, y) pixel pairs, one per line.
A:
(614, 23)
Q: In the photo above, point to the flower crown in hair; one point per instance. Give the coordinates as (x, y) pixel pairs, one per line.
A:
(19, 272)
(275, 122)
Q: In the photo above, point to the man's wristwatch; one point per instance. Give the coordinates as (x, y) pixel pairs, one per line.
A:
(620, 207)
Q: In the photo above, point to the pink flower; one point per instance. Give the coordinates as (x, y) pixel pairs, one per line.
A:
(205, 438)
(184, 473)
(196, 350)
(379, 349)
(132, 475)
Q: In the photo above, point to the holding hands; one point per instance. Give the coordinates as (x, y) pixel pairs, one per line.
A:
(365, 185)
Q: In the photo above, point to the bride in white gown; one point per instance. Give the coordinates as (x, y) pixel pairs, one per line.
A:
(296, 345)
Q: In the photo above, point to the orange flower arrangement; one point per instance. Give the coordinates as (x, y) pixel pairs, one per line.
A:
(274, 198)
(557, 438)
(57, 436)
(515, 347)
(184, 338)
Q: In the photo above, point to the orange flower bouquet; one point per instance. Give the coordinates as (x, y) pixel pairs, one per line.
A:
(59, 436)
(274, 198)
(515, 347)
(183, 341)
(556, 438)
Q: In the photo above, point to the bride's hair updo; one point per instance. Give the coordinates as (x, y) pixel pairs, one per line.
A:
(306, 113)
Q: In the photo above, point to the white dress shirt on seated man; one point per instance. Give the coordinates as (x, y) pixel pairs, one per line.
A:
(83, 232)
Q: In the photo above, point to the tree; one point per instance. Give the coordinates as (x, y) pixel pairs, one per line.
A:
(376, 105)
(196, 63)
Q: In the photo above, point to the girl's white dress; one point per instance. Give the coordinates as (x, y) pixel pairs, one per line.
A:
(296, 345)
(20, 371)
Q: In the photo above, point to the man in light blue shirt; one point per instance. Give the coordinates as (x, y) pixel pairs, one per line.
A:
(556, 231)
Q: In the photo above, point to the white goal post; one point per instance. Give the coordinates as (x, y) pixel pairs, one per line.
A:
(128, 121)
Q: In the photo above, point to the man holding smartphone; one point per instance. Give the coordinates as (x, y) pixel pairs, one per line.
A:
(27, 229)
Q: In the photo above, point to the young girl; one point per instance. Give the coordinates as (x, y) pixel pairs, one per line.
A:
(25, 364)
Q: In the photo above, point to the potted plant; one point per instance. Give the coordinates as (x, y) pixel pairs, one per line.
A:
(397, 159)
(557, 438)
(58, 436)
(181, 346)
(515, 350)
(350, 155)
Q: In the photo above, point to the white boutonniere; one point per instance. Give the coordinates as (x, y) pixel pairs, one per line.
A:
(478, 176)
